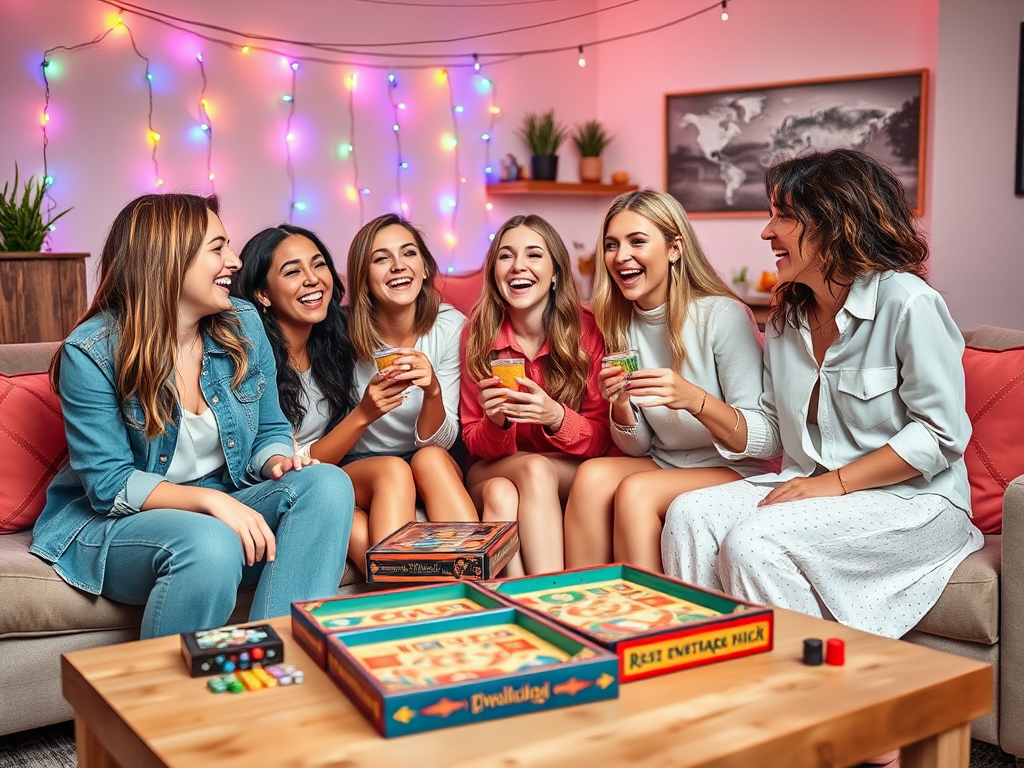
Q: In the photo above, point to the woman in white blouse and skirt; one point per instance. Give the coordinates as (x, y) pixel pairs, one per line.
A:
(864, 393)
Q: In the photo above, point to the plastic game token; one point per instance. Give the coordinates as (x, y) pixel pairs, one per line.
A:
(835, 652)
(216, 685)
(268, 680)
(812, 651)
(235, 686)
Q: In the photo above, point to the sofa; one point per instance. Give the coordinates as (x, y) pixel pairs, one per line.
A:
(979, 615)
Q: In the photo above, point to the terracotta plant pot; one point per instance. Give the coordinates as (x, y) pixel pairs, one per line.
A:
(591, 169)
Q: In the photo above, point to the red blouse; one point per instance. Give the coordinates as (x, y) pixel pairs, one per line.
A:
(583, 433)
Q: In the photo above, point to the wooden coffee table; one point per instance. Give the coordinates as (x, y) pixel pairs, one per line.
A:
(135, 706)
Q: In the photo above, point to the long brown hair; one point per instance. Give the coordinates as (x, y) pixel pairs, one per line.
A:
(855, 212)
(689, 278)
(149, 248)
(567, 366)
(362, 309)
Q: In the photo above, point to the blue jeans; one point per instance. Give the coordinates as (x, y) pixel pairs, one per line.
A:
(186, 567)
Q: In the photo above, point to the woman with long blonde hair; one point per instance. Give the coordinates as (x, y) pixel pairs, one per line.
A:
(530, 440)
(656, 293)
(181, 482)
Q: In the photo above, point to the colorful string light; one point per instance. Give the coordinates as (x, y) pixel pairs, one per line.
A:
(206, 125)
(289, 137)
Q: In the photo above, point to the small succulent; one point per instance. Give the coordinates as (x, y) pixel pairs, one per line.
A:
(21, 220)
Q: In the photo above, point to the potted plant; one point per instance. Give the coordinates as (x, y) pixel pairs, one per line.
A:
(21, 219)
(590, 139)
(543, 135)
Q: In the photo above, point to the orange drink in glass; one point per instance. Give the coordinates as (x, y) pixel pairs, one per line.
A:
(508, 369)
(385, 357)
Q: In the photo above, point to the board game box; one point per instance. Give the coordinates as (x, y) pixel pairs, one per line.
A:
(431, 552)
(409, 678)
(226, 649)
(314, 620)
(653, 623)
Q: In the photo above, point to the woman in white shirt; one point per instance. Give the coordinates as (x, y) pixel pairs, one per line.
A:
(864, 393)
(697, 344)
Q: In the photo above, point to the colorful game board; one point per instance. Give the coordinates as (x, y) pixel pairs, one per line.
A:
(417, 677)
(313, 620)
(431, 552)
(654, 624)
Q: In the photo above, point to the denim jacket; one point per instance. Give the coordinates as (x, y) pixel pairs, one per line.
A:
(113, 467)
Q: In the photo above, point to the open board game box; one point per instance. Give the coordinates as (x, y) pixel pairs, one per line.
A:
(430, 552)
(408, 678)
(653, 623)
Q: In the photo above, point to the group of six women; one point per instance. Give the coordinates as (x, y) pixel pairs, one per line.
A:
(210, 400)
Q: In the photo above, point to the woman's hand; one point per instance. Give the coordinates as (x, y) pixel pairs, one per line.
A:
(491, 398)
(280, 465)
(381, 395)
(534, 406)
(612, 383)
(413, 367)
(805, 488)
(663, 386)
(252, 530)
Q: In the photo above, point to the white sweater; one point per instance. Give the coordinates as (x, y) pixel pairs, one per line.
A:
(723, 356)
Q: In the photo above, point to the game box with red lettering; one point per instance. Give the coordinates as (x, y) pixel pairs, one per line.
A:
(314, 620)
(432, 552)
(409, 678)
(653, 623)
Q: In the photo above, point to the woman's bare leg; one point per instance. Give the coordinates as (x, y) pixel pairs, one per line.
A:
(384, 487)
(498, 501)
(359, 539)
(439, 481)
(542, 482)
(591, 507)
(641, 501)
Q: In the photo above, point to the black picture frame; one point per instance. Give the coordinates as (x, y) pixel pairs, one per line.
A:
(1018, 183)
(719, 143)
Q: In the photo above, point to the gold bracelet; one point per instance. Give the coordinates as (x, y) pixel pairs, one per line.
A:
(700, 410)
(839, 474)
(735, 426)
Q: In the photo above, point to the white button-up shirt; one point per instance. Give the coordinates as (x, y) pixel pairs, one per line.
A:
(894, 376)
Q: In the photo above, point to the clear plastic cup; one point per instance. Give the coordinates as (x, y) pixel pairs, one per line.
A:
(385, 357)
(508, 369)
(628, 361)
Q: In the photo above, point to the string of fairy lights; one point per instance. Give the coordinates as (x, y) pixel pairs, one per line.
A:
(246, 42)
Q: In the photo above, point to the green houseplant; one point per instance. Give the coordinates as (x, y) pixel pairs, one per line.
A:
(590, 139)
(543, 135)
(21, 216)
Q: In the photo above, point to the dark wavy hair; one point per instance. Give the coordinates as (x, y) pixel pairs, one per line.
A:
(330, 346)
(855, 212)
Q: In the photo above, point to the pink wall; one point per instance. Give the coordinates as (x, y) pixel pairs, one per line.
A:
(100, 158)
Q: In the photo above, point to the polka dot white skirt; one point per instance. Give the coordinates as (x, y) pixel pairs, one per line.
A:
(870, 559)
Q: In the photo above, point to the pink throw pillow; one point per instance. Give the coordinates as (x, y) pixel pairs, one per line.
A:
(995, 404)
(33, 445)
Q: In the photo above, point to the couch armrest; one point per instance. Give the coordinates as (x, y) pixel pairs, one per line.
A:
(1011, 618)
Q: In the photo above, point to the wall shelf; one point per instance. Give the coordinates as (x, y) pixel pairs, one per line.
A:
(533, 187)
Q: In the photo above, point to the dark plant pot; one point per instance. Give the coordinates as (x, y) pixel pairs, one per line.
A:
(544, 167)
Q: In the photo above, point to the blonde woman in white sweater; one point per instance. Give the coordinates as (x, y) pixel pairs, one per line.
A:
(657, 293)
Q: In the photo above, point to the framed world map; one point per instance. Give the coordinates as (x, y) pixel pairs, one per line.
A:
(719, 143)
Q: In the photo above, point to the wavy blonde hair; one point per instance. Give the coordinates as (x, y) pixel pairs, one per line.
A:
(151, 245)
(567, 367)
(362, 309)
(689, 278)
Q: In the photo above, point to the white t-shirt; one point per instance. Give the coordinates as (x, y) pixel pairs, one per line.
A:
(317, 416)
(198, 452)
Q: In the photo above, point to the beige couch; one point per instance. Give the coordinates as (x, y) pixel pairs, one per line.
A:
(980, 614)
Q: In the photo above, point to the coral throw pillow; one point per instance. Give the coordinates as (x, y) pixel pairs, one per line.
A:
(33, 445)
(995, 404)
(461, 291)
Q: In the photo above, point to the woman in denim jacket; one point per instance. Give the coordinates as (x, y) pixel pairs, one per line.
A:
(181, 482)
(864, 392)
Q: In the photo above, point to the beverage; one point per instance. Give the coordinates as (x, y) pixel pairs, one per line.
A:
(628, 361)
(385, 357)
(509, 369)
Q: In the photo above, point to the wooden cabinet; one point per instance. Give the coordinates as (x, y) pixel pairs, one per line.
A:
(533, 187)
(43, 295)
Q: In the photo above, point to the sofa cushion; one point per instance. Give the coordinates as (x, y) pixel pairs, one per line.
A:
(968, 608)
(995, 404)
(33, 445)
(461, 291)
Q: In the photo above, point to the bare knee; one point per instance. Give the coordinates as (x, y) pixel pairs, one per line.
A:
(500, 499)
(429, 459)
(393, 475)
(534, 470)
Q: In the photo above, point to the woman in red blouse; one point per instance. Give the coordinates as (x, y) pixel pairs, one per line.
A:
(529, 442)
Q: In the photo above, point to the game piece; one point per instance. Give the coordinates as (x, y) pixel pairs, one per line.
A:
(654, 623)
(431, 552)
(467, 668)
(812, 652)
(249, 679)
(835, 652)
(226, 649)
(217, 685)
(268, 680)
(235, 686)
(314, 620)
